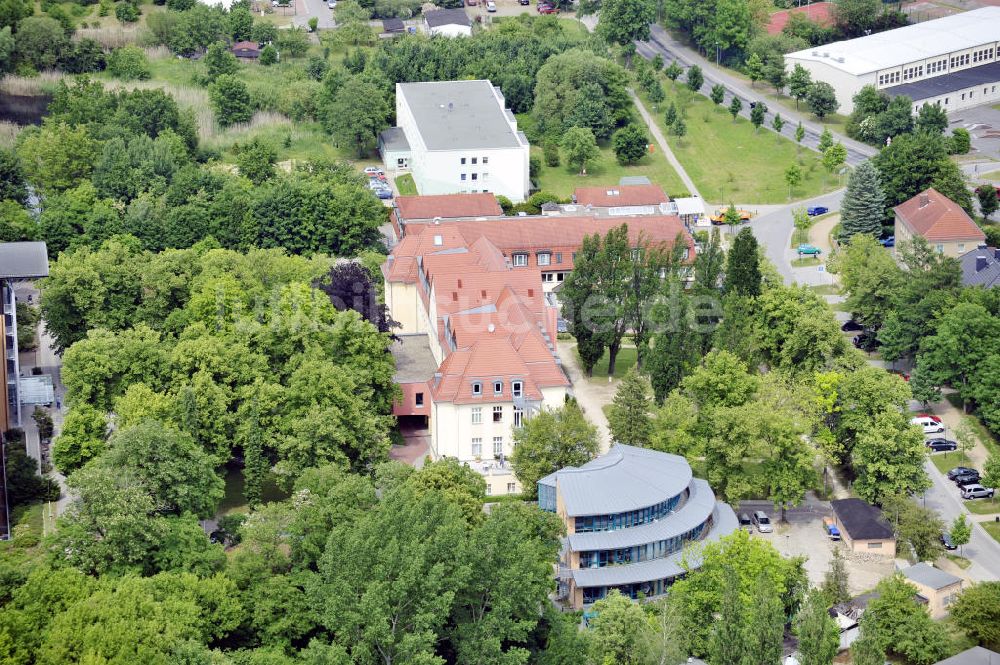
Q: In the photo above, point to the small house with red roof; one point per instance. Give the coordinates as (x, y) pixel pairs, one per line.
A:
(622, 200)
(940, 221)
(246, 50)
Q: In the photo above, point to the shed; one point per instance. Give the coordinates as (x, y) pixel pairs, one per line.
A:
(449, 22)
(939, 588)
(393, 26)
(246, 50)
(863, 528)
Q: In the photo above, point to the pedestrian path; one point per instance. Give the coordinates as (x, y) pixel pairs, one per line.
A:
(661, 140)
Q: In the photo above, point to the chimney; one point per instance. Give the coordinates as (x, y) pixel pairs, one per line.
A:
(459, 282)
(490, 328)
(980, 263)
(924, 200)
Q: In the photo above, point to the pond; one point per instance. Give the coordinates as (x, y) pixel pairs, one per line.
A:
(23, 109)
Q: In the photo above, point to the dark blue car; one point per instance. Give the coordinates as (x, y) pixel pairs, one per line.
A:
(889, 241)
(817, 210)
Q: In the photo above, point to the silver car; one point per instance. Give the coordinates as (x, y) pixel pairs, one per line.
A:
(762, 521)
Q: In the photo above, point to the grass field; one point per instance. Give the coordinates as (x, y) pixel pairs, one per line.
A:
(730, 162)
(992, 175)
(806, 261)
(945, 462)
(983, 506)
(992, 528)
(959, 561)
(405, 185)
(623, 363)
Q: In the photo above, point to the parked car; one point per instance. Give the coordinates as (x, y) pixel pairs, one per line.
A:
(831, 528)
(720, 216)
(900, 373)
(958, 471)
(746, 523)
(491, 6)
(867, 341)
(524, 2)
(332, 4)
(946, 541)
(547, 9)
(967, 479)
(809, 250)
(941, 445)
(936, 419)
(977, 492)
(374, 170)
(762, 521)
(817, 210)
(383, 194)
(930, 425)
(888, 241)
(852, 326)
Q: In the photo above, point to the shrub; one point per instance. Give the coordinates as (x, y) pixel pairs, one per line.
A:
(534, 166)
(313, 24)
(961, 142)
(268, 55)
(629, 144)
(126, 12)
(505, 204)
(551, 152)
(129, 64)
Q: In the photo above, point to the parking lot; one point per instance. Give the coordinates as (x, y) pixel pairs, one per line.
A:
(803, 535)
(983, 123)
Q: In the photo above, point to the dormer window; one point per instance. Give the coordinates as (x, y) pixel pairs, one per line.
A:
(544, 258)
(438, 241)
(497, 387)
(517, 388)
(477, 389)
(520, 260)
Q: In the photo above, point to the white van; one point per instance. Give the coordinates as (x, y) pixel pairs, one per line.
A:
(930, 425)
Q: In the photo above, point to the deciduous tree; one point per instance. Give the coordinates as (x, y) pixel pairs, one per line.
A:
(822, 99)
(977, 612)
(550, 440)
(580, 147)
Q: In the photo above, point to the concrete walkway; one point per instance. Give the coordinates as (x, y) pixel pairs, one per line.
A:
(662, 141)
(590, 395)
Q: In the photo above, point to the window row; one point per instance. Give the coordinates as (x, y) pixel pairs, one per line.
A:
(959, 61)
(983, 55)
(520, 259)
(511, 488)
(486, 160)
(633, 591)
(516, 388)
(475, 176)
(630, 519)
(888, 79)
(477, 446)
(647, 552)
(553, 276)
(937, 66)
(913, 72)
(477, 415)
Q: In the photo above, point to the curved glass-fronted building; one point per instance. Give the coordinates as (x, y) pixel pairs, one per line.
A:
(628, 516)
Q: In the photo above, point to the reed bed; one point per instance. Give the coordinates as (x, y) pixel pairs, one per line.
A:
(29, 86)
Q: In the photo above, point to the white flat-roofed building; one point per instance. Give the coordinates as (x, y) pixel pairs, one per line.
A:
(460, 139)
(950, 60)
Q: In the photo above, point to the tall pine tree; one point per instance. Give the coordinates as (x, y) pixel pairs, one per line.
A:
(628, 416)
(863, 208)
(743, 265)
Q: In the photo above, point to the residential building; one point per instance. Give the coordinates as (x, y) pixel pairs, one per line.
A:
(951, 61)
(477, 328)
(442, 207)
(629, 515)
(935, 587)
(940, 221)
(448, 22)
(862, 527)
(973, 656)
(981, 266)
(457, 137)
(623, 200)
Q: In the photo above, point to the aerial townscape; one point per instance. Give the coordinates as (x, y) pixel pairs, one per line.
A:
(500, 332)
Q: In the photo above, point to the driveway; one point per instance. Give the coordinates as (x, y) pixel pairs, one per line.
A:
(590, 395)
(983, 123)
(661, 42)
(307, 9)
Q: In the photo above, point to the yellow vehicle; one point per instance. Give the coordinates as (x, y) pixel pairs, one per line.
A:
(720, 216)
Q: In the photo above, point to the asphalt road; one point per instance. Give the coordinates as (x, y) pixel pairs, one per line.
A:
(661, 42)
(314, 8)
(982, 550)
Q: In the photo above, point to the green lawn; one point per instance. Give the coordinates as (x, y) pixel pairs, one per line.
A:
(992, 175)
(623, 363)
(30, 515)
(992, 528)
(959, 561)
(825, 290)
(806, 261)
(562, 180)
(730, 162)
(945, 462)
(405, 185)
(983, 506)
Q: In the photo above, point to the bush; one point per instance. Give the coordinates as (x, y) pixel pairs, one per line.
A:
(534, 166)
(629, 144)
(961, 142)
(126, 12)
(313, 24)
(129, 63)
(508, 206)
(551, 152)
(268, 55)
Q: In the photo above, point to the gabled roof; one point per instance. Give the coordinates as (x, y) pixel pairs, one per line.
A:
(861, 520)
(392, 25)
(620, 195)
(448, 206)
(973, 656)
(439, 17)
(929, 576)
(937, 218)
(981, 267)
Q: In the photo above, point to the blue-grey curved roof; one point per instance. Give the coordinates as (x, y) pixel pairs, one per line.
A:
(693, 513)
(623, 479)
(655, 569)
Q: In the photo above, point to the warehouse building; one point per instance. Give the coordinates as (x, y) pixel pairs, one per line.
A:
(953, 61)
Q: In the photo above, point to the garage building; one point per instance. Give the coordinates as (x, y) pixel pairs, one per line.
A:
(953, 61)
(863, 528)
